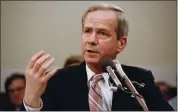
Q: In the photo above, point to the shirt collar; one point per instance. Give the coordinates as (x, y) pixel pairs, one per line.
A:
(90, 73)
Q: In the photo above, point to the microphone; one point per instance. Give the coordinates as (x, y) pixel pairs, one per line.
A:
(119, 70)
(106, 65)
(129, 84)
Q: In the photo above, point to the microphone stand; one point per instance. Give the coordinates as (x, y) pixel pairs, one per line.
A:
(132, 89)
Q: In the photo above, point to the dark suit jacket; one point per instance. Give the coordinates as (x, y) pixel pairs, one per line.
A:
(67, 90)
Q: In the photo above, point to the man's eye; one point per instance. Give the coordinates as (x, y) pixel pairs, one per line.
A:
(86, 31)
(102, 33)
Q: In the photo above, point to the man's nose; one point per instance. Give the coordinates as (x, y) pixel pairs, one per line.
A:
(93, 39)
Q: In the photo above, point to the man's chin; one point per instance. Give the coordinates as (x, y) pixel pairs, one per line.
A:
(92, 61)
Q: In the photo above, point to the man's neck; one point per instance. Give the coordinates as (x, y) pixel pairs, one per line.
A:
(95, 68)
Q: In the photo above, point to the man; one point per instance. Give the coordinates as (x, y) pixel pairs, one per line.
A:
(85, 87)
(164, 88)
(14, 90)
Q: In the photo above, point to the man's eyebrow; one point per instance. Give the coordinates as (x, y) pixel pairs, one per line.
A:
(98, 28)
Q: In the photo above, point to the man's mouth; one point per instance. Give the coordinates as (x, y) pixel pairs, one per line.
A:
(91, 51)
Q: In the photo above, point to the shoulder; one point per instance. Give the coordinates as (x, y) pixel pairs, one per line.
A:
(134, 68)
(71, 70)
(135, 72)
(69, 73)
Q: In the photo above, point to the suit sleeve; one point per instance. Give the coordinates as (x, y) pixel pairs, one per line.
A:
(153, 96)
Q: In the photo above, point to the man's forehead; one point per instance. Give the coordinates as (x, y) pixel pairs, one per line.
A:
(97, 25)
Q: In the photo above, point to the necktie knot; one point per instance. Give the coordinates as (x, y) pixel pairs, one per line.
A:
(97, 78)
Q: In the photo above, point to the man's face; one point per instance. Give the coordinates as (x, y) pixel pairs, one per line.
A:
(16, 91)
(99, 37)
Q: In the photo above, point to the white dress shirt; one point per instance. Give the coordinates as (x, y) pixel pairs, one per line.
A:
(106, 91)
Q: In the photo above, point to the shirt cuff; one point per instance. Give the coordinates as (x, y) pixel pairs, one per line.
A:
(27, 108)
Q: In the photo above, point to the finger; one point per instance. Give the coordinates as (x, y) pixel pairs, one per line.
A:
(50, 74)
(34, 58)
(40, 61)
(45, 66)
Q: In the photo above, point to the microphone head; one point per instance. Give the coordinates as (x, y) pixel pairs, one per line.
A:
(104, 62)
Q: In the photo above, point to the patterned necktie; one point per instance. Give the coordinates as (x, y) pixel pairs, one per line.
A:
(95, 98)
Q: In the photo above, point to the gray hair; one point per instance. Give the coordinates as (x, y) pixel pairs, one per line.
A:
(122, 22)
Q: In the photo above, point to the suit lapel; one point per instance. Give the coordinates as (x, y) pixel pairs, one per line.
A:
(83, 87)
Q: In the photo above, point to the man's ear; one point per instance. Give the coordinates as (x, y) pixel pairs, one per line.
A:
(121, 44)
